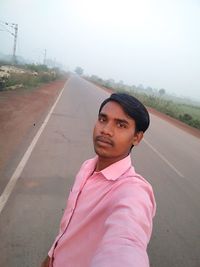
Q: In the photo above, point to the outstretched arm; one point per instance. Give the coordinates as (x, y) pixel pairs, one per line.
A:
(127, 230)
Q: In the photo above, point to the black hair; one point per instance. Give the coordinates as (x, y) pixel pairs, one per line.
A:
(132, 107)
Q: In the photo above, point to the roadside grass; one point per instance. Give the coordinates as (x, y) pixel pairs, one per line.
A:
(187, 113)
(28, 80)
(194, 111)
(30, 76)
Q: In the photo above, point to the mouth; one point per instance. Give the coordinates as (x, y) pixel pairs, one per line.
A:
(103, 141)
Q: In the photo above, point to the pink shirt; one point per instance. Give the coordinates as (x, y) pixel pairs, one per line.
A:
(108, 219)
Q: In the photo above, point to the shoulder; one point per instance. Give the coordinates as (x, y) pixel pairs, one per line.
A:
(134, 190)
(89, 163)
(87, 167)
(132, 182)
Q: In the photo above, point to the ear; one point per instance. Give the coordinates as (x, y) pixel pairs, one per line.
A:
(137, 138)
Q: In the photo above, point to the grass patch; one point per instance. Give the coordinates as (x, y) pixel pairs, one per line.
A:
(29, 76)
(187, 113)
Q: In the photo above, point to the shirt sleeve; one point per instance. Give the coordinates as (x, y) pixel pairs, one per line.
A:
(128, 229)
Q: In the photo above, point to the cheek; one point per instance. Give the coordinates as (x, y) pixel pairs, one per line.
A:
(125, 140)
(95, 130)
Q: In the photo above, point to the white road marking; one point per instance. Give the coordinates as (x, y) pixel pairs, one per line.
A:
(11, 184)
(163, 158)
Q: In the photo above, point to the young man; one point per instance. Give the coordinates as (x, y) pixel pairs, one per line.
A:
(108, 218)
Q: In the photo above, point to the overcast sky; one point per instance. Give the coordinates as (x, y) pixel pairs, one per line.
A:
(151, 42)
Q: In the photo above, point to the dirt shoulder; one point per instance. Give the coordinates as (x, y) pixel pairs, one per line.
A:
(20, 112)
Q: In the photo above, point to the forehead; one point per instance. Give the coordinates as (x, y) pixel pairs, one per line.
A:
(114, 110)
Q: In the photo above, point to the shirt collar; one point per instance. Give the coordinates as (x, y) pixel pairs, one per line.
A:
(117, 169)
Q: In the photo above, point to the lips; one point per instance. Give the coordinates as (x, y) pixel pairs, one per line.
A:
(104, 140)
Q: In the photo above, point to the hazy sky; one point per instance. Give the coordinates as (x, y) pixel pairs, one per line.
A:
(149, 42)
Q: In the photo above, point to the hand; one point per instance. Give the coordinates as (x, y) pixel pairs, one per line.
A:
(46, 262)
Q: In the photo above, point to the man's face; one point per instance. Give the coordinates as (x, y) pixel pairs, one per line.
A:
(114, 132)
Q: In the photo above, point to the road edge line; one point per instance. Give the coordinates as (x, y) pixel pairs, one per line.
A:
(15, 176)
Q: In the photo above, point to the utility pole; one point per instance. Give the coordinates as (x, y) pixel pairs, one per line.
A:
(15, 33)
(45, 55)
(15, 42)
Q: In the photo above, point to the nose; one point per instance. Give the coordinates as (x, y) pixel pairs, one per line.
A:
(107, 129)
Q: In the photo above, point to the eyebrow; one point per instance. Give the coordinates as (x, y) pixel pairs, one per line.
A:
(116, 119)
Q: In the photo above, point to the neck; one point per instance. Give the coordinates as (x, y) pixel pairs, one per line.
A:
(103, 163)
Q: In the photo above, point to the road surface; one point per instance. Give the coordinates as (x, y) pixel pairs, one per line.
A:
(168, 158)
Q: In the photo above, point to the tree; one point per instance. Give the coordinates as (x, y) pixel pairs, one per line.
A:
(161, 92)
(79, 71)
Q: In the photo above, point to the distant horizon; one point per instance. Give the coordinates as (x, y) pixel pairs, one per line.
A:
(172, 94)
(149, 42)
(167, 93)
(154, 43)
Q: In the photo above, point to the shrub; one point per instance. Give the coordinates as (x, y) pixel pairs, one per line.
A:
(26, 79)
(185, 117)
(37, 68)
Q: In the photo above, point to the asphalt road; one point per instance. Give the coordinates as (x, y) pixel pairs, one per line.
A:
(168, 158)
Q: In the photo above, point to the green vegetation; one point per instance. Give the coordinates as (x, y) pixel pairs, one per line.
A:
(157, 99)
(37, 68)
(188, 114)
(28, 76)
(27, 79)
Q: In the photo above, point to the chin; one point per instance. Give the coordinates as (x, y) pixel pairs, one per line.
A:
(101, 153)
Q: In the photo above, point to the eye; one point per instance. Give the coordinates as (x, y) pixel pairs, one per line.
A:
(101, 119)
(121, 125)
